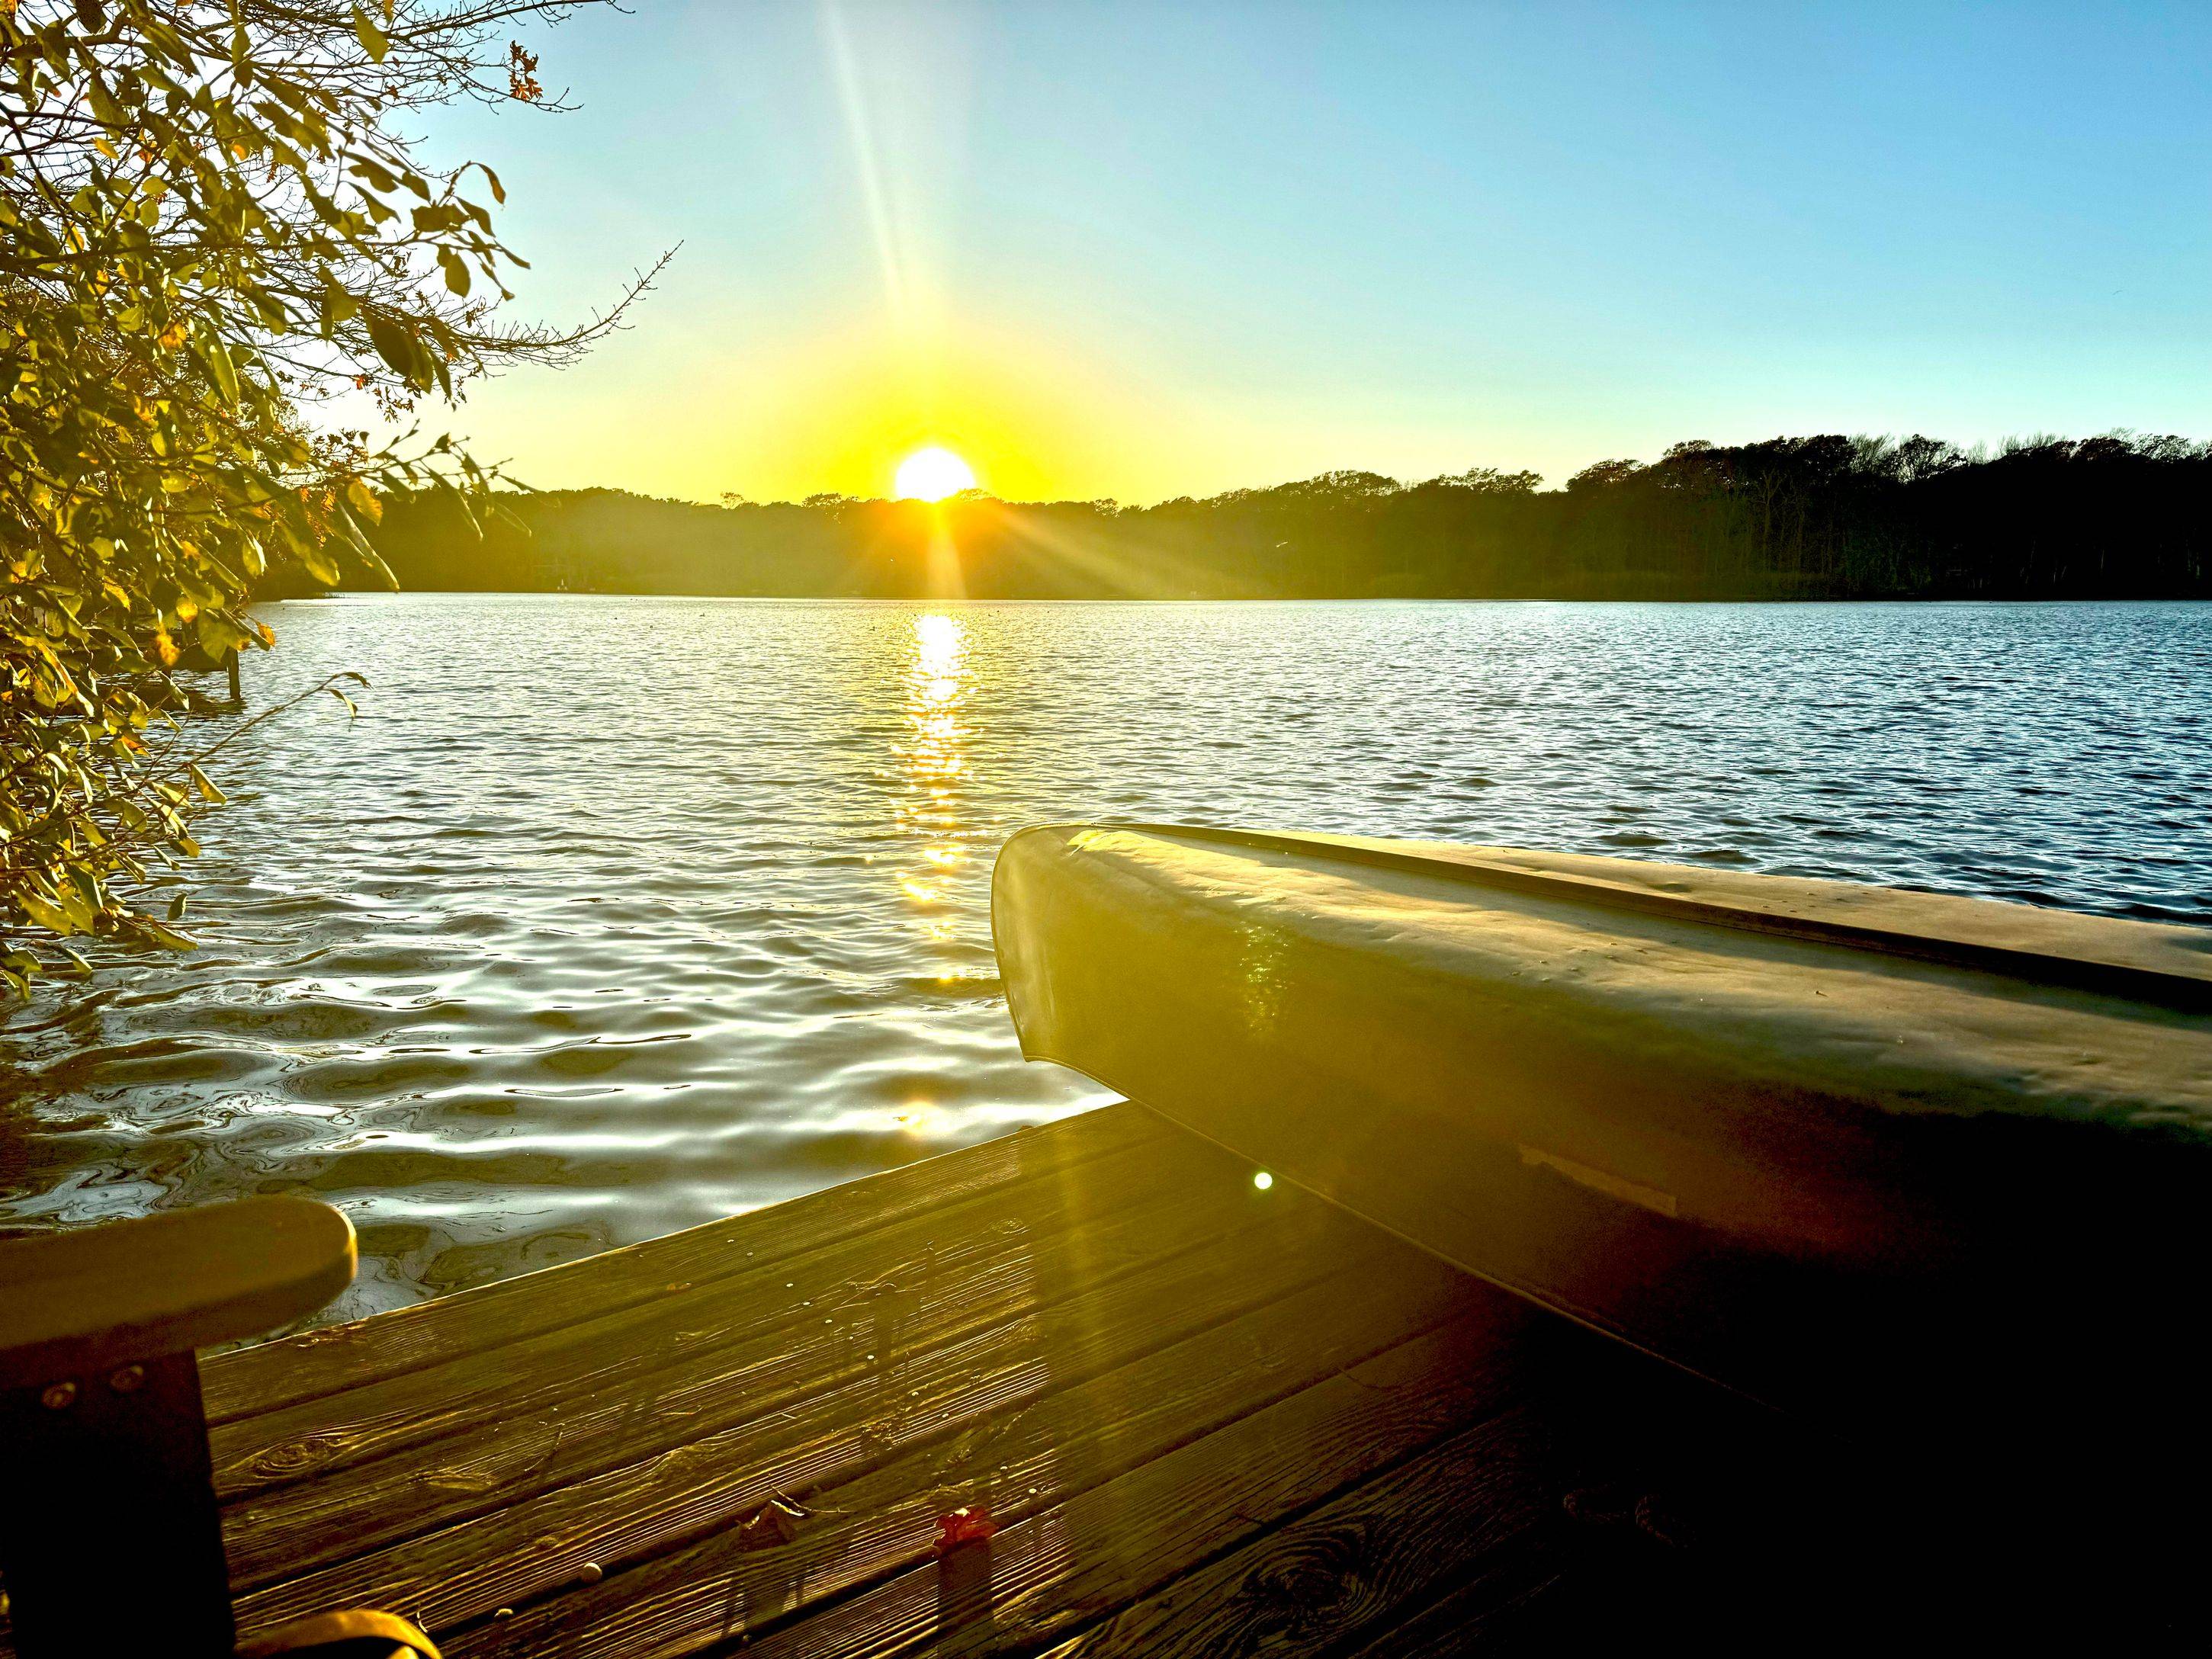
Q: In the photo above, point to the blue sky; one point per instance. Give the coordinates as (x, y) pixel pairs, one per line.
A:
(1143, 250)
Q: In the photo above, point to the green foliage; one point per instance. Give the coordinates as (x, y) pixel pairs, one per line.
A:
(209, 224)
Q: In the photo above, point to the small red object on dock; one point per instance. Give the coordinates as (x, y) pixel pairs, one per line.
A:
(971, 1524)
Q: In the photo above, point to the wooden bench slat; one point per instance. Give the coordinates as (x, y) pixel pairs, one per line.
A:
(83, 1300)
(323, 1362)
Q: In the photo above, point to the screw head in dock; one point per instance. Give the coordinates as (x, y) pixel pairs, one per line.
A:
(127, 1379)
(593, 1572)
(58, 1396)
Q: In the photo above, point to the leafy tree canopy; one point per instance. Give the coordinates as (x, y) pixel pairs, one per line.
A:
(210, 221)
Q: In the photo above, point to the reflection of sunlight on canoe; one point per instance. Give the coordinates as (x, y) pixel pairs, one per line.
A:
(1263, 965)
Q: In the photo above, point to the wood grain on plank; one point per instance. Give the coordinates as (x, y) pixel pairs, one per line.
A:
(906, 1399)
(1073, 1563)
(1542, 1618)
(1697, 1517)
(318, 1437)
(1480, 1510)
(408, 1456)
(323, 1362)
(1026, 1454)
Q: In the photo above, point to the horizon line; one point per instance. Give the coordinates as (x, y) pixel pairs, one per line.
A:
(1978, 452)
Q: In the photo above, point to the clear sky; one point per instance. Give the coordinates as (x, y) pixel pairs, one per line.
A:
(1146, 250)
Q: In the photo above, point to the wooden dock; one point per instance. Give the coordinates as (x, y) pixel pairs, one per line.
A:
(1205, 1418)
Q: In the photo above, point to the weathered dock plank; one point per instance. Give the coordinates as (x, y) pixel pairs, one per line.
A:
(323, 1362)
(897, 1410)
(410, 1453)
(1473, 1505)
(1062, 1434)
(1079, 1561)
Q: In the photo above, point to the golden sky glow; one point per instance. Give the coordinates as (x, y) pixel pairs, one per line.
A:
(835, 406)
(1036, 417)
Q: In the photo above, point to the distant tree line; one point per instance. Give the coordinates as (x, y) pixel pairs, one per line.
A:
(1827, 516)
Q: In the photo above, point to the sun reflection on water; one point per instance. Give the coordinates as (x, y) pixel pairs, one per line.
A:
(939, 680)
(935, 760)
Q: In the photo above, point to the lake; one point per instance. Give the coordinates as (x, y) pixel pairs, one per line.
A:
(609, 916)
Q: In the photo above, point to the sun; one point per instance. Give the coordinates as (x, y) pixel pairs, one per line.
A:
(932, 474)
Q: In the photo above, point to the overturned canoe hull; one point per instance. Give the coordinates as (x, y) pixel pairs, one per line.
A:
(1881, 1156)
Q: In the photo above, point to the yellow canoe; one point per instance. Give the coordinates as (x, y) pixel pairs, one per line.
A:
(1878, 1154)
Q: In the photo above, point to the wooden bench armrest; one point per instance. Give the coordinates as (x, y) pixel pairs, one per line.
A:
(78, 1303)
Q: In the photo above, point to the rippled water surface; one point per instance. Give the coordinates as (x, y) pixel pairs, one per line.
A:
(611, 916)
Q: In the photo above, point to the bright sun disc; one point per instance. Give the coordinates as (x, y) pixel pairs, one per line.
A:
(932, 474)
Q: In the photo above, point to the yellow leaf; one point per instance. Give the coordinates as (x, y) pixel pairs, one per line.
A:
(373, 40)
(165, 936)
(45, 914)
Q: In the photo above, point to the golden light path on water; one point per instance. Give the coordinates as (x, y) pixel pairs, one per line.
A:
(612, 916)
(936, 765)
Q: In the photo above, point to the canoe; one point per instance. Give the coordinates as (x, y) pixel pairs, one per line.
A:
(1906, 1162)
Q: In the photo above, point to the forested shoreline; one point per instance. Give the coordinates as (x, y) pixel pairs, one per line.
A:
(1823, 517)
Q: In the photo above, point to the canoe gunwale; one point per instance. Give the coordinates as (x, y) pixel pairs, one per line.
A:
(2183, 992)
